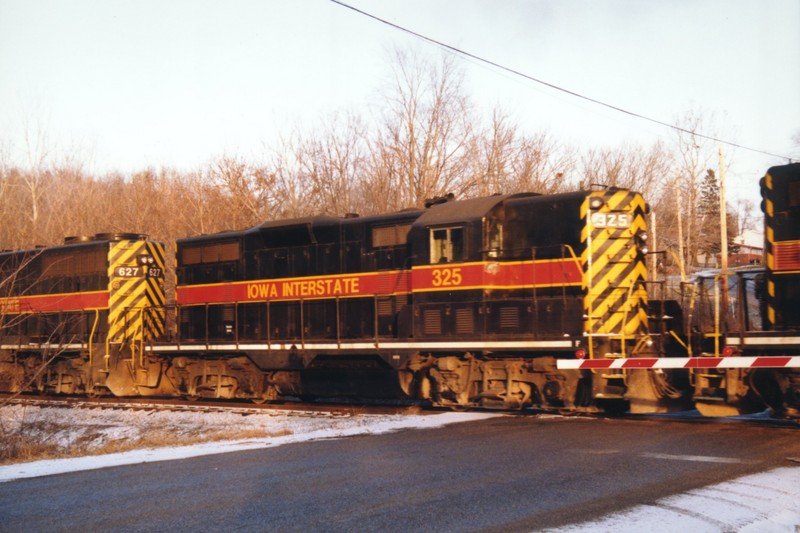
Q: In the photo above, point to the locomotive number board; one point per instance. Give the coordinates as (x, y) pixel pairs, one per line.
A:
(612, 220)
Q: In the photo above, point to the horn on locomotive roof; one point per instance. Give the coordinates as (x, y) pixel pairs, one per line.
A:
(603, 186)
(449, 197)
(71, 239)
(120, 237)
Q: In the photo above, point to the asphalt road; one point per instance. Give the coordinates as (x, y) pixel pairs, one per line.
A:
(501, 474)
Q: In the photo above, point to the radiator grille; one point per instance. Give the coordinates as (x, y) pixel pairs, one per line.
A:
(509, 317)
(787, 255)
(464, 321)
(386, 307)
(432, 321)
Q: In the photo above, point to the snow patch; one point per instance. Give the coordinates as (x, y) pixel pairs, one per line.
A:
(765, 502)
(104, 426)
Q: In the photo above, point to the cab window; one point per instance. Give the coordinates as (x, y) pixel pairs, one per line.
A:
(447, 245)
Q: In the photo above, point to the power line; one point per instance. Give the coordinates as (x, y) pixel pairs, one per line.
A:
(469, 55)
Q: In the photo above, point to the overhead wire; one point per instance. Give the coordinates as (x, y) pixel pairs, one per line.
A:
(553, 86)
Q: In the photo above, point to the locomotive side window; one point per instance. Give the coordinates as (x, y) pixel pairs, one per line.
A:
(73, 271)
(794, 194)
(390, 235)
(210, 263)
(447, 245)
(389, 245)
(494, 238)
(211, 253)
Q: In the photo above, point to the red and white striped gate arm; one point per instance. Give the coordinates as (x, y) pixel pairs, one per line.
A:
(682, 362)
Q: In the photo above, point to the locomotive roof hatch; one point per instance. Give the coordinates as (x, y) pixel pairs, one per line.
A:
(295, 231)
(303, 221)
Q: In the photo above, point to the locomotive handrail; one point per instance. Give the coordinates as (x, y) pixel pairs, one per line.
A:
(680, 263)
(141, 337)
(269, 328)
(206, 327)
(302, 326)
(716, 314)
(91, 335)
(574, 257)
(375, 321)
(690, 314)
(625, 318)
(338, 324)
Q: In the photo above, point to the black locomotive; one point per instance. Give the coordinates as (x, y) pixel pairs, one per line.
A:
(465, 303)
(75, 318)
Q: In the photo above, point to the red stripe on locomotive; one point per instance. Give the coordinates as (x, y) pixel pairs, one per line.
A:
(307, 288)
(51, 303)
(445, 277)
(490, 275)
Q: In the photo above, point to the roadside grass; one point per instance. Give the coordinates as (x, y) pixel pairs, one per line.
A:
(33, 439)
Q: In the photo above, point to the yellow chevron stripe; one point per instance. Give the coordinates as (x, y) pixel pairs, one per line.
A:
(153, 295)
(614, 323)
(613, 255)
(631, 310)
(600, 237)
(601, 263)
(121, 255)
(603, 284)
(129, 296)
(632, 325)
(616, 199)
(156, 251)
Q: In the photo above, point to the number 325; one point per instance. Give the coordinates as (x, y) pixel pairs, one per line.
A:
(446, 277)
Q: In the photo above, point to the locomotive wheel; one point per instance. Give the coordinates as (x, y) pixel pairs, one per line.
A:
(270, 394)
(425, 387)
(96, 392)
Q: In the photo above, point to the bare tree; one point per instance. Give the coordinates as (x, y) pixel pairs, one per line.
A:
(37, 146)
(291, 194)
(497, 149)
(746, 216)
(245, 190)
(542, 164)
(643, 169)
(695, 154)
(423, 143)
(334, 162)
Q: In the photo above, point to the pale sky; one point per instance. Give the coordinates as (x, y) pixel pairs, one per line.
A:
(127, 85)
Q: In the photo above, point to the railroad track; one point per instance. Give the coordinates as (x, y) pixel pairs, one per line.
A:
(306, 409)
(244, 409)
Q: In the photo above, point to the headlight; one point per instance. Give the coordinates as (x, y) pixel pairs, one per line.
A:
(596, 203)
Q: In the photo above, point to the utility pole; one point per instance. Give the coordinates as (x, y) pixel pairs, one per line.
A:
(723, 230)
(653, 247)
(680, 223)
